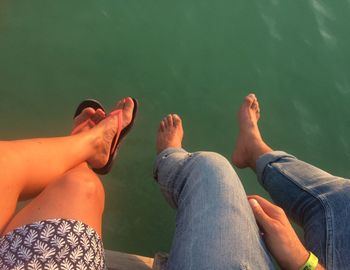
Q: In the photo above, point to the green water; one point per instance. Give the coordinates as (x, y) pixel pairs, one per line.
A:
(196, 58)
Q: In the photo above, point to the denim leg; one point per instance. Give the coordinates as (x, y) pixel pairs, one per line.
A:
(215, 226)
(316, 200)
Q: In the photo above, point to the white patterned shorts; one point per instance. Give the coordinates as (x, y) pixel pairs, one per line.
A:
(52, 245)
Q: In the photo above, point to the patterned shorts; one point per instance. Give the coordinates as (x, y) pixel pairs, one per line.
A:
(52, 245)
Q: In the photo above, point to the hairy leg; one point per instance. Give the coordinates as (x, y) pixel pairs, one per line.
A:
(250, 145)
(313, 198)
(212, 210)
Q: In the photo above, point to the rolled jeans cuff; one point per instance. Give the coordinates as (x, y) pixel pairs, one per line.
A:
(266, 159)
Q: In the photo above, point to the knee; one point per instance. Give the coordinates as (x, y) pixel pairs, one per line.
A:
(215, 168)
(211, 158)
(83, 183)
(212, 163)
(208, 178)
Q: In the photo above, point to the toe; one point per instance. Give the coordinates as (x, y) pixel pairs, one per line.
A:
(82, 121)
(88, 111)
(98, 116)
(101, 112)
(128, 110)
(120, 104)
(169, 120)
(128, 104)
(125, 104)
(257, 106)
(176, 120)
(249, 99)
(254, 106)
(165, 122)
(162, 126)
(85, 114)
(252, 95)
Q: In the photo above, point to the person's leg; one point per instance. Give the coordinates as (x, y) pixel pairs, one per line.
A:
(28, 166)
(215, 227)
(77, 195)
(315, 199)
(60, 228)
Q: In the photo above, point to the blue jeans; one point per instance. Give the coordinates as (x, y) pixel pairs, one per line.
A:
(318, 201)
(215, 227)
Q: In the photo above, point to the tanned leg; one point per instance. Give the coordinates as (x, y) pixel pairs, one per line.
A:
(29, 166)
(250, 145)
(77, 195)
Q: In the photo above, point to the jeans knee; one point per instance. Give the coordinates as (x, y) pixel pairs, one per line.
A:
(211, 159)
(206, 174)
(212, 162)
(215, 168)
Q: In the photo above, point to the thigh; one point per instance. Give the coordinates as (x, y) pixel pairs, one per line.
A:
(215, 227)
(8, 202)
(77, 195)
(316, 200)
(10, 190)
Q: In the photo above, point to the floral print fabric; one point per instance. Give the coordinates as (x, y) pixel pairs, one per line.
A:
(52, 245)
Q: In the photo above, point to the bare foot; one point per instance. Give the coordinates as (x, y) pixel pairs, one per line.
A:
(107, 129)
(250, 144)
(170, 133)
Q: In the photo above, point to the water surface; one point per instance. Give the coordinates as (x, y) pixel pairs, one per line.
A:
(196, 58)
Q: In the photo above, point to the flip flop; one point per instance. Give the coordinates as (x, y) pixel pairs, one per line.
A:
(87, 103)
(119, 136)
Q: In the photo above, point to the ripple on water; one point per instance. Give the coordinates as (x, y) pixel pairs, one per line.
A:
(272, 26)
(324, 16)
(268, 19)
(343, 87)
(308, 124)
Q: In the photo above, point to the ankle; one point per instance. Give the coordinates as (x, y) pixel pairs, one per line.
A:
(260, 149)
(93, 142)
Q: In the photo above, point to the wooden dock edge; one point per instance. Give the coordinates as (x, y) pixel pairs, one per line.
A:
(121, 261)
